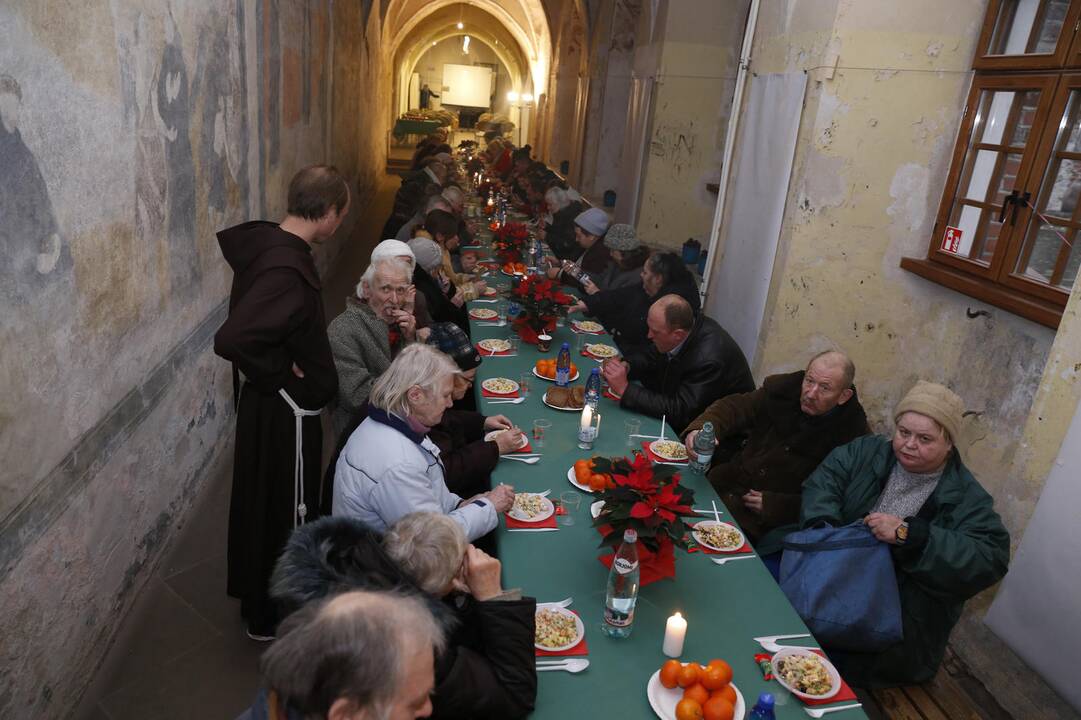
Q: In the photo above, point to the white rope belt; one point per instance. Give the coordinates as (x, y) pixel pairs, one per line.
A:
(299, 414)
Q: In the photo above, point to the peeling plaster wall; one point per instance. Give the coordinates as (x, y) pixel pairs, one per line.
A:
(889, 82)
(691, 105)
(142, 128)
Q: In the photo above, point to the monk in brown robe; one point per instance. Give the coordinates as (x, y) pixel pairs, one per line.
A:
(276, 338)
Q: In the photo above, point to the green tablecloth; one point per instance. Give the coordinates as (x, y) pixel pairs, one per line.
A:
(415, 127)
(725, 606)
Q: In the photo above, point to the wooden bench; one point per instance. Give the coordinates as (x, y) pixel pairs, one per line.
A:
(953, 694)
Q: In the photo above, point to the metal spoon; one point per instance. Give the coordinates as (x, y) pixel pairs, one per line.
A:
(573, 665)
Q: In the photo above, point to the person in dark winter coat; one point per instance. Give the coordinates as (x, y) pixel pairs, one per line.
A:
(592, 256)
(917, 496)
(692, 362)
(564, 206)
(791, 423)
(623, 310)
(487, 669)
(445, 302)
(468, 458)
(276, 338)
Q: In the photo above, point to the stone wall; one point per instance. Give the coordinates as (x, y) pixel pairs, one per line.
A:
(129, 133)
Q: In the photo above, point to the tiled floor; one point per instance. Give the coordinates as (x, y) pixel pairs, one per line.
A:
(182, 651)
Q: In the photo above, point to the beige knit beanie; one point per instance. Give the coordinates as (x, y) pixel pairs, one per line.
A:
(936, 402)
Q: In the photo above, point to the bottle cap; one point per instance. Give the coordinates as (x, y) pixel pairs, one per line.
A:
(765, 700)
(631, 535)
(566, 346)
(595, 371)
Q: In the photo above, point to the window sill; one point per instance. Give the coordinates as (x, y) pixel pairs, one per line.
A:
(1008, 299)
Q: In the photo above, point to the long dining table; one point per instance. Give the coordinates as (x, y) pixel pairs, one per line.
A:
(725, 606)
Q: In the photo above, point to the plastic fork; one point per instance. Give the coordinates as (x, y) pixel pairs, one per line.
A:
(722, 561)
(819, 712)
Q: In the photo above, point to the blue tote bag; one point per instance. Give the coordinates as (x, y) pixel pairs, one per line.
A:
(841, 581)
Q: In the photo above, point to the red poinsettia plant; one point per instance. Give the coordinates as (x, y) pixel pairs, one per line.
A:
(510, 241)
(644, 497)
(541, 302)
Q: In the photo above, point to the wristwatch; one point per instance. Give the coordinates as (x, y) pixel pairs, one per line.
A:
(902, 533)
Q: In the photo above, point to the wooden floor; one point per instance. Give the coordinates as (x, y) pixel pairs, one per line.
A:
(953, 695)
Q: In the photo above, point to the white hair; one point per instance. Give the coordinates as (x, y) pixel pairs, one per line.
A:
(453, 195)
(429, 547)
(437, 202)
(417, 365)
(391, 262)
(556, 197)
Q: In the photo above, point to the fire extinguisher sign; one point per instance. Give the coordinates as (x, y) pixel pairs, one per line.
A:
(951, 240)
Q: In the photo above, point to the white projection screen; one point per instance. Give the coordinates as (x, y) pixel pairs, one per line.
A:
(467, 85)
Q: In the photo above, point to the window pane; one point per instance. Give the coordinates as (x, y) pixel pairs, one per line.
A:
(1070, 275)
(1045, 247)
(1067, 186)
(1071, 123)
(1025, 107)
(994, 112)
(990, 237)
(966, 218)
(1026, 27)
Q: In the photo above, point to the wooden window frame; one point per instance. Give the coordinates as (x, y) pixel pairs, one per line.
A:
(1001, 282)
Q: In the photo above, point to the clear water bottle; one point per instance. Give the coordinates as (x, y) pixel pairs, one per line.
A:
(593, 389)
(563, 366)
(703, 448)
(622, 592)
(763, 709)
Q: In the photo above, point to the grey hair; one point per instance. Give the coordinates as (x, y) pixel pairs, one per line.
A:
(453, 195)
(557, 196)
(848, 368)
(437, 202)
(355, 645)
(429, 547)
(379, 262)
(417, 365)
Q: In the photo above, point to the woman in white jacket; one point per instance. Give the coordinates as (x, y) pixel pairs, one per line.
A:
(390, 468)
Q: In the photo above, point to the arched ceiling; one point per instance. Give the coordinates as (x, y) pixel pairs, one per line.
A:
(522, 23)
(510, 56)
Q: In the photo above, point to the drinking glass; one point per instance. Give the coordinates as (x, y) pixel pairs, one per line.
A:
(540, 428)
(514, 344)
(524, 381)
(633, 427)
(569, 500)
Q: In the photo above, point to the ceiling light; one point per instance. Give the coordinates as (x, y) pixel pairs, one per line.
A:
(512, 96)
(527, 97)
(461, 25)
(465, 45)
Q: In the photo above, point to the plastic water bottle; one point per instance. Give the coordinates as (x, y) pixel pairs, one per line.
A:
(622, 592)
(593, 389)
(563, 366)
(763, 709)
(703, 448)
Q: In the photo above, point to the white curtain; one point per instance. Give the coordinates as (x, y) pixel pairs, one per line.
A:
(634, 150)
(765, 145)
(1037, 610)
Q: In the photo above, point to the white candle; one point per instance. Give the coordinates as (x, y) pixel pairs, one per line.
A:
(587, 418)
(674, 633)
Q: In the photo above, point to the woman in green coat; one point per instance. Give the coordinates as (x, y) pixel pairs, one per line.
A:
(916, 494)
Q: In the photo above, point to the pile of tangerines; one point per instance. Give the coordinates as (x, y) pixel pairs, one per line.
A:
(547, 368)
(585, 475)
(707, 692)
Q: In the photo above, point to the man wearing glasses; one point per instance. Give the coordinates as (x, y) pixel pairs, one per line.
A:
(376, 323)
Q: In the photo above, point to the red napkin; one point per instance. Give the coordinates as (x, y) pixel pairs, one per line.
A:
(843, 695)
(513, 524)
(489, 394)
(657, 458)
(527, 448)
(611, 395)
(582, 648)
(488, 353)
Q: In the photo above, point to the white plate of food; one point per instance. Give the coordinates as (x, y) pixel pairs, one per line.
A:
(587, 326)
(490, 292)
(494, 345)
(806, 674)
(558, 629)
(600, 350)
(717, 535)
(596, 508)
(500, 386)
(531, 507)
(490, 437)
(560, 407)
(671, 450)
(664, 700)
(552, 379)
(483, 314)
(574, 481)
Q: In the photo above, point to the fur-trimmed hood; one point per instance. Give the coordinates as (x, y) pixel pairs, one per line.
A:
(337, 554)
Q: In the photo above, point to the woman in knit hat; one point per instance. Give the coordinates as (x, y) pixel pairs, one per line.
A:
(628, 255)
(915, 494)
(444, 300)
(589, 229)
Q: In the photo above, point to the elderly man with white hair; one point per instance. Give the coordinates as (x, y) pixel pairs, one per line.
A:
(390, 467)
(375, 324)
(563, 206)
